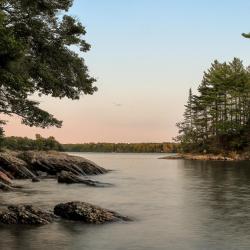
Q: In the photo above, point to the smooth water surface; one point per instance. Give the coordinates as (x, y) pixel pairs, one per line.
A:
(175, 205)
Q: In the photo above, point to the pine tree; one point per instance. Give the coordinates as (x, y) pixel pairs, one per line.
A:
(219, 115)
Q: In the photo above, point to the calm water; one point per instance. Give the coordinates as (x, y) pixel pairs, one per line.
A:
(176, 205)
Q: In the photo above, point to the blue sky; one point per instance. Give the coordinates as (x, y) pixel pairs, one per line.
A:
(145, 54)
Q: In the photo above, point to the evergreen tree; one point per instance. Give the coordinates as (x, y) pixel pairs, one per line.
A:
(220, 112)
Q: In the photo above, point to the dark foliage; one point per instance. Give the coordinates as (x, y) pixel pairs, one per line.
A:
(36, 58)
(218, 118)
(123, 147)
(24, 143)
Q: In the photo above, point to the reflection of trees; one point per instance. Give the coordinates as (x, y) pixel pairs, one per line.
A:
(223, 188)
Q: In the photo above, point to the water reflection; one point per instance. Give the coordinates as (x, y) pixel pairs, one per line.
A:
(223, 189)
(177, 204)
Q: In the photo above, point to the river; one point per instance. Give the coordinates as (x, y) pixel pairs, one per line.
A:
(175, 205)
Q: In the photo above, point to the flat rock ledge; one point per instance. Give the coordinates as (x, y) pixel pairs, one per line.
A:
(85, 212)
(53, 162)
(25, 215)
(208, 157)
(36, 165)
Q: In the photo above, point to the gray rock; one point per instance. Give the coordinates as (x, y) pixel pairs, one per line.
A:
(85, 212)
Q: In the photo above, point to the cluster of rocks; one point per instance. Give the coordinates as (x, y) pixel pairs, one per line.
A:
(77, 211)
(36, 165)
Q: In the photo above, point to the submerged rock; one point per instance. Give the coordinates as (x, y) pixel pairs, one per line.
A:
(35, 179)
(25, 214)
(82, 211)
(70, 178)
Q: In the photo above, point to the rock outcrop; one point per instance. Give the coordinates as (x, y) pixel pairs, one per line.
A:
(70, 178)
(25, 214)
(55, 162)
(34, 164)
(85, 212)
(15, 166)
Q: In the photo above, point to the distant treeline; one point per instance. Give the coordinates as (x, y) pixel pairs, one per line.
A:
(24, 143)
(123, 147)
(50, 143)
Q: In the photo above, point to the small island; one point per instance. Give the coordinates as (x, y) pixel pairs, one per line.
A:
(216, 122)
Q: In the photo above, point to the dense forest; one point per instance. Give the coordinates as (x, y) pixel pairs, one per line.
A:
(123, 147)
(217, 118)
(24, 143)
(50, 143)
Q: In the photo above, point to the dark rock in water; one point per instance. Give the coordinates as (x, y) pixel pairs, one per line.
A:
(35, 179)
(5, 187)
(25, 214)
(14, 166)
(7, 173)
(82, 211)
(55, 162)
(70, 178)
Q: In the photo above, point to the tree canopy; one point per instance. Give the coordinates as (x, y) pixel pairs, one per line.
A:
(218, 117)
(166, 147)
(36, 57)
(24, 143)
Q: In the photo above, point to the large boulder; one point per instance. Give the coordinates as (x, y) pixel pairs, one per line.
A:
(85, 212)
(25, 214)
(55, 162)
(70, 178)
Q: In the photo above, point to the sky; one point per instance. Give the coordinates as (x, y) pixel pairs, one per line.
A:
(145, 55)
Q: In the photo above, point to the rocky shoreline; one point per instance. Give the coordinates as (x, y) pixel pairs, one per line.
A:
(210, 157)
(67, 169)
(37, 165)
(74, 211)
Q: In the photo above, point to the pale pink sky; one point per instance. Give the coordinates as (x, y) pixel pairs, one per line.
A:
(135, 117)
(145, 56)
